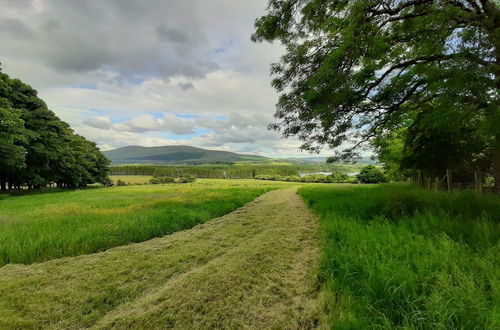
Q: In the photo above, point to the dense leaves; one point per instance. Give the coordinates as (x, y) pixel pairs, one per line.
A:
(39, 149)
(360, 71)
(371, 174)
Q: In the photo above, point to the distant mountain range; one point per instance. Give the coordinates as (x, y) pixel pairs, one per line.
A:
(175, 155)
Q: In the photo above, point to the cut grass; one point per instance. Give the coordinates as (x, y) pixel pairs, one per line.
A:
(41, 227)
(398, 256)
(250, 269)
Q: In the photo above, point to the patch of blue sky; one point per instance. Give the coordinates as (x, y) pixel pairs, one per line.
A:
(137, 81)
(224, 47)
(85, 86)
(220, 117)
(187, 115)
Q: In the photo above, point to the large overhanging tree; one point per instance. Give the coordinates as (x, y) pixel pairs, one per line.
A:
(354, 69)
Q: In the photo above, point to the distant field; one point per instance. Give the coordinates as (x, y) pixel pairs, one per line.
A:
(46, 226)
(402, 257)
(131, 179)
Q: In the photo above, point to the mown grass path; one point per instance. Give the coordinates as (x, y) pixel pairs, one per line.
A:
(252, 268)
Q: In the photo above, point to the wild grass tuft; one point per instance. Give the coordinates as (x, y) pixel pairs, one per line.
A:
(398, 256)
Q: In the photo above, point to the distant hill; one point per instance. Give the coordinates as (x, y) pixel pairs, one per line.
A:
(175, 155)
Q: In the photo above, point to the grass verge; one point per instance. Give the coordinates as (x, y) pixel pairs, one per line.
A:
(398, 256)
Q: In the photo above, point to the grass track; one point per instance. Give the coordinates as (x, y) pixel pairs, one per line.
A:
(251, 268)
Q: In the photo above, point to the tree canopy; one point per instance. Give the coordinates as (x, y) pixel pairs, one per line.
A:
(38, 148)
(355, 71)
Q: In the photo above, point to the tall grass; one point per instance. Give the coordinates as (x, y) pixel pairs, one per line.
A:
(398, 256)
(46, 226)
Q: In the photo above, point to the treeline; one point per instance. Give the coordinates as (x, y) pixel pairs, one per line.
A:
(237, 171)
(314, 178)
(207, 172)
(37, 148)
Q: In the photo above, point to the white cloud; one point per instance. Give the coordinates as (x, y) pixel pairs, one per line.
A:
(127, 72)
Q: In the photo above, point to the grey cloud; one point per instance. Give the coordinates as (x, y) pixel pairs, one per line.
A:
(51, 25)
(22, 4)
(238, 129)
(171, 34)
(16, 29)
(186, 86)
(145, 123)
(114, 35)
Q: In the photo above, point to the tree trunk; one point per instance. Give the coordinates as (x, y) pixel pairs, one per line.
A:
(491, 25)
(478, 179)
(496, 163)
(448, 179)
(3, 186)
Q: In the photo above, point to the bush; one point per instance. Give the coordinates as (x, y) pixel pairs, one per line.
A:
(338, 177)
(107, 182)
(187, 179)
(371, 174)
(162, 180)
(121, 183)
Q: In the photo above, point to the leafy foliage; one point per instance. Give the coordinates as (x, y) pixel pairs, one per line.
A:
(361, 70)
(38, 148)
(162, 180)
(315, 178)
(371, 174)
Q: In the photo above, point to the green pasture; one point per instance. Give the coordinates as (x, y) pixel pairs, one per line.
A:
(401, 257)
(41, 227)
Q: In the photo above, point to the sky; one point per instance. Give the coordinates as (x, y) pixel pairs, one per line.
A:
(149, 72)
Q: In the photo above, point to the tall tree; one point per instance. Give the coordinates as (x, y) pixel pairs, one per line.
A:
(12, 139)
(38, 148)
(352, 67)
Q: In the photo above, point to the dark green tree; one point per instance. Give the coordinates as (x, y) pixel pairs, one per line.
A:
(38, 148)
(371, 174)
(12, 141)
(353, 68)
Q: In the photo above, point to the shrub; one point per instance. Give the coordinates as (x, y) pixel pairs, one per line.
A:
(162, 180)
(121, 183)
(187, 179)
(337, 177)
(371, 174)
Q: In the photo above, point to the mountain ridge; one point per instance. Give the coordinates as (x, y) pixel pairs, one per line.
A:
(175, 155)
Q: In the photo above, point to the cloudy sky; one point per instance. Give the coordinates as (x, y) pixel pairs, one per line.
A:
(148, 72)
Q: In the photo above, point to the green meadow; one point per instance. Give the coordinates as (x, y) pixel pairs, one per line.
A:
(41, 227)
(400, 257)
(392, 256)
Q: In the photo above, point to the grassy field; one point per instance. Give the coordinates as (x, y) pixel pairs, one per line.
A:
(131, 179)
(402, 257)
(41, 227)
(251, 269)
